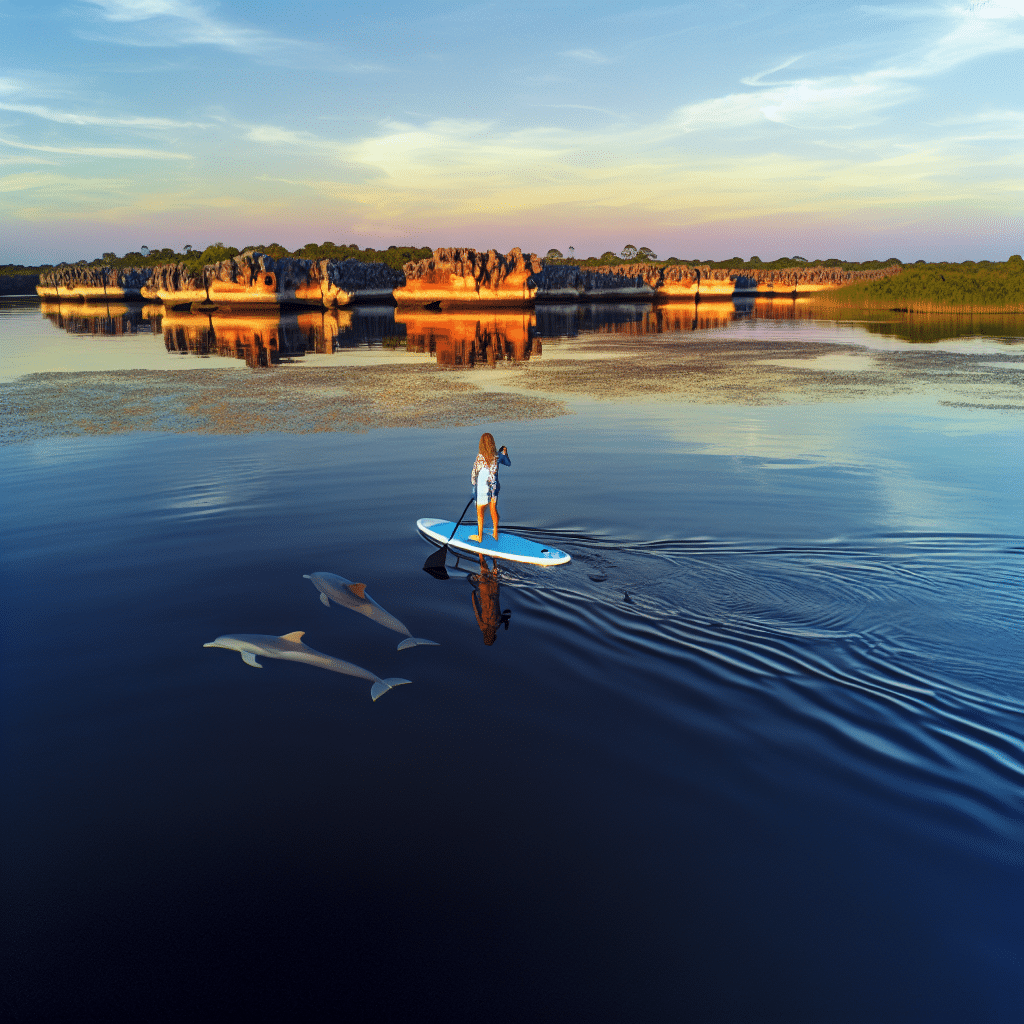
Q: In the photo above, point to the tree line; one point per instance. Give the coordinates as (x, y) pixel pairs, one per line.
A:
(940, 287)
(644, 254)
(394, 256)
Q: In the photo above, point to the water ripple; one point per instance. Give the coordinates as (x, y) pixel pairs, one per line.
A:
(895, 658)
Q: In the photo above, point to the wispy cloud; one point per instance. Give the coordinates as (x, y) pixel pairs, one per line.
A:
(101, 151)
(840, 101)
(590, 56)
(183, 23)
(24, 158)
(59, 183)
(75, 117)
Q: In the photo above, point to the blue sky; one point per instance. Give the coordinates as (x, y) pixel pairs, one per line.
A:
(701, 130)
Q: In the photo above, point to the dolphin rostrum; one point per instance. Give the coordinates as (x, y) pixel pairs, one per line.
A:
(353, 595)
(291, 648)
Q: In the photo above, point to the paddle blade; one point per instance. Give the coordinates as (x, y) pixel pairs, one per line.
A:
(435, 564)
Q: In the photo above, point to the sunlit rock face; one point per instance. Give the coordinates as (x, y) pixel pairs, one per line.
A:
(175, 284)
(343, 282)
(633, 281)
(628, 281)
(804, 281)
(256, 279)
(81, 283)
(465, 277)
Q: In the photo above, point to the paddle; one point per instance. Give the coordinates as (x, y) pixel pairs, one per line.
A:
(435, 561)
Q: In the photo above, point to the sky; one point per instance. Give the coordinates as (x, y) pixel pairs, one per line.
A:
(701, 130)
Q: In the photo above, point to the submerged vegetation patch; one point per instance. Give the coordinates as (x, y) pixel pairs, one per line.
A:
(237, 401)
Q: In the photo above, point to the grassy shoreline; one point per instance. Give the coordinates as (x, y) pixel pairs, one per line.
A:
(956, 288)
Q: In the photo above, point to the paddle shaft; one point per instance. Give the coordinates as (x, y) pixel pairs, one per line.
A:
(459, 520)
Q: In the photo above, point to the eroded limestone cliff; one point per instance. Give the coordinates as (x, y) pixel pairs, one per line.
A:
(465, 277)
(256, 279)
(560, 283)
(451, 278)
(81, 283)
(346, 281)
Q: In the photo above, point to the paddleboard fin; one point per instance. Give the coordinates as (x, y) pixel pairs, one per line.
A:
(415, 641)
(250, 659)
(382, 686)
(359, 589)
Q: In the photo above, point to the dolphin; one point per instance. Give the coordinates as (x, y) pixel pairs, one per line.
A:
(353, 595)
(291, 648)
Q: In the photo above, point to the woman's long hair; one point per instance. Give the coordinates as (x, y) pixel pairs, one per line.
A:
(487, 448)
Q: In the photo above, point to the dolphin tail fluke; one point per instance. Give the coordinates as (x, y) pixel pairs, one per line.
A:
(415, 641)
(382, 686)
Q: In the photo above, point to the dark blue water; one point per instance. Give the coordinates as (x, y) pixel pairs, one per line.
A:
(755, 755)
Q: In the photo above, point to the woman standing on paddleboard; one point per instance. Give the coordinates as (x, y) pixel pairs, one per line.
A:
(485, 481)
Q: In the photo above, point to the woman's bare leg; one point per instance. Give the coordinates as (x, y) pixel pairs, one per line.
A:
(479, 535)
(494, 517)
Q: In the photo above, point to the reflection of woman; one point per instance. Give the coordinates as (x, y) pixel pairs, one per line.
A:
(485, 481)
(487, 602)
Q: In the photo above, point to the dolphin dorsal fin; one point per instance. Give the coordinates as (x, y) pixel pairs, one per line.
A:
(296, 637)
(359, 589)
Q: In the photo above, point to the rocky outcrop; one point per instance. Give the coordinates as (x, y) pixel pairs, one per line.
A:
(450, 279)
(343, 282)
(256, 279)
(805, 281)
(84, 283)
(629, 282)
(632, 281)
(175, 284)
(465, 277)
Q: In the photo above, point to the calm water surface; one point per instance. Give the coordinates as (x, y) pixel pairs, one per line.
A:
(754, 755)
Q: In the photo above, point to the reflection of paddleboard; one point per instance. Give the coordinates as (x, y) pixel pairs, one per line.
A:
(508, 545)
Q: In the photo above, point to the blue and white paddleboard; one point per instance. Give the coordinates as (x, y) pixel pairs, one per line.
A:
(508, 545)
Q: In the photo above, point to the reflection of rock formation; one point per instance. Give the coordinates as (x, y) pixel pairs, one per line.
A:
(465, 339)
(571, 319)
(256, 279)
(107, 320)
(639, 318)
(259, 340)
(465, 277)
(84, 283)
(268, 338)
